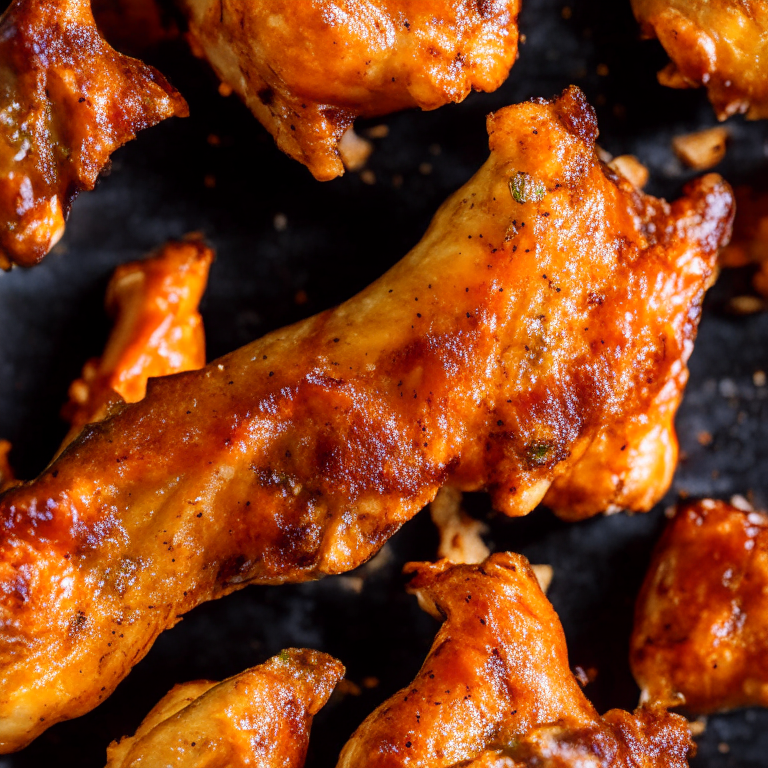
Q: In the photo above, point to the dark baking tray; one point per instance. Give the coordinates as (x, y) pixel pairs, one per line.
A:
(339, 237)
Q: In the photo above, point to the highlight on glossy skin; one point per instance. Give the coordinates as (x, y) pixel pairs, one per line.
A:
(701, 622)
(260, 717)
(549, 306)
(158, 331)
(308, 70)
(68, 101)
(496, 688)
(720, 44)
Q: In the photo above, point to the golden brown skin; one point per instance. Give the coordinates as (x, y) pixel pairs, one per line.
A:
(308, 69)
(721, 44)
(67, 101)
(497, 686)
(491, 357)
(701, 621)
(261, 717)
(158, 331)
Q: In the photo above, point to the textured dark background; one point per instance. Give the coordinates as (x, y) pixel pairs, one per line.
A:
(339, 237)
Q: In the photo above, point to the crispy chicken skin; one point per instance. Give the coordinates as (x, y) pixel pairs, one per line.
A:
(7, 477)
(496, 686)
(548, 302)
(260, 717)
(67, 102)
(701, 622)
(158, 331)
(721, 44)
(307, 70)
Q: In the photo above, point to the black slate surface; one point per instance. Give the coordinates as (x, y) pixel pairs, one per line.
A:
(339, 237)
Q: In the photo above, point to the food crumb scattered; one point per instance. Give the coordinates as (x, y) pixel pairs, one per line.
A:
(378, 132)
(280, 222)
(759, 378)
(425, 169)
(301, 297)
(368, 177)
(631, 169)
(225, 90)
(460, 534)
(354, 150)
(723, 748)
(370, 682)
(704, 438)
(703, 149)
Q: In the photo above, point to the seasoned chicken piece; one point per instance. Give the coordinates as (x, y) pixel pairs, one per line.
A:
(67, 101)
(496, 687)
(721, 44)
(308, 69)
(701, 620)
(261, 717)
(548, 303)
(158, 331)
(749, 244)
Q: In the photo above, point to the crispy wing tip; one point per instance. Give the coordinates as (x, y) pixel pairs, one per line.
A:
(75, 100)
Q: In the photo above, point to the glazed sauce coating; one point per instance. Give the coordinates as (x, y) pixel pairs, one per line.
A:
(548, 304)
(67, 101)
(261, 717)
(308, 69)
(496, 690)
(721, 44)
(701, 622)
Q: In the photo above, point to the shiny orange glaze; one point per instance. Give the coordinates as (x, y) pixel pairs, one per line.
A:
(721, 44)
(512, 337)
(67, 101)
(497, 686)
(261, 717)
(158, 331)
(701, 621)
(308, 69)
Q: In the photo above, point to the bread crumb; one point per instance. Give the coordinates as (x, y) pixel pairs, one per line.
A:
(354, 150)
(378, 132)
(544, 574)
(703, 149)
(631, 169)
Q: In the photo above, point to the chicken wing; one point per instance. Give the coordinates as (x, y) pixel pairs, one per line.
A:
(549, 302)
(260, 717)
(6, 473)
(307, 70)
(721, 44)
(496, 686)
(701, 621)
(68, 101)
(158, 331)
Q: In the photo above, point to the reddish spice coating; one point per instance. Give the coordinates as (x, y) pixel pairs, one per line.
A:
(260, 717)
(513, 337)
(721, 44)
(701, 622)
(68, 102)
(158, 331)
(307, 70)
(496, 689)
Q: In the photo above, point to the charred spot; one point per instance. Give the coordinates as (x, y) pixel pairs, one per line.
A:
(577, 115)
(231, 568)
(77, 623)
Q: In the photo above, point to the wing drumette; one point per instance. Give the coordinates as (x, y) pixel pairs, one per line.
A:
(550, 303)
(68, 101)
(260, 717)
(721, 44)
(496, 688)
(701, 622)
(158, 331)
(307, 70)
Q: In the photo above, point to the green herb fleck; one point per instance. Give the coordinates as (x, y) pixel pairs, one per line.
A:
(526, 189)
(537, 453)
